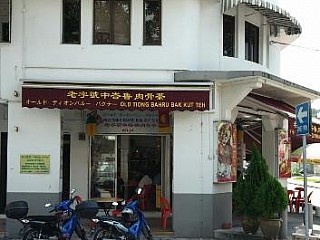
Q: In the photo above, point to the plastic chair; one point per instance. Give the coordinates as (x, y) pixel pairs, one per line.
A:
(165, 211)
(299, 202)
(300, 191)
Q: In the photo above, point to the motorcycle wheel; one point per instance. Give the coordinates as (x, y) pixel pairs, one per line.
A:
(145, 233)
(110, 233)
(81, 233)
(34, 234)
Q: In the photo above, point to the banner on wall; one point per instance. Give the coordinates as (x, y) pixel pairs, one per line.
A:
(226, 170)
(284, 152)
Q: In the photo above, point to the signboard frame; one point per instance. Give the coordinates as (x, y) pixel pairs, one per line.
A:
(303, 118)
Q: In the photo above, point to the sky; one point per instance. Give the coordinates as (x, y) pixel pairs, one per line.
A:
(300, 62)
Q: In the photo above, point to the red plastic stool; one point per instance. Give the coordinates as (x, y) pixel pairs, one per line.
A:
(165, 211)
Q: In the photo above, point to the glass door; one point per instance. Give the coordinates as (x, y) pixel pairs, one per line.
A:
(103, 166)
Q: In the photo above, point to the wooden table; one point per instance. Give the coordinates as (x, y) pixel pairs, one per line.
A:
(105, 203)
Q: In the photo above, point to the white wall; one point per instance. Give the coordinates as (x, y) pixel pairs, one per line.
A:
(73, 123)
(193, 159)
(79, 169)
(210, 34)
(45, 49)
(192, 40)
(38, 133)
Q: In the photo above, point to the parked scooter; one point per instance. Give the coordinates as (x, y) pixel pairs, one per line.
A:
(132, 225)
(61, 225)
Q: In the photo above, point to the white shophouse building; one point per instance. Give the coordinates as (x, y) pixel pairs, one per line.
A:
(158, 78)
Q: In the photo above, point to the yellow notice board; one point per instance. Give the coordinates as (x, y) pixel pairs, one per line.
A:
(34, 164)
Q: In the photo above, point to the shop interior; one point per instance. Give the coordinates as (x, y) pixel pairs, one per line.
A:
(121, 163)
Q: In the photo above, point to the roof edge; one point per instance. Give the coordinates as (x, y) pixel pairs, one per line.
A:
(224, 76)
(277, 17)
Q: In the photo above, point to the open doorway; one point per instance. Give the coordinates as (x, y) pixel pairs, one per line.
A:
(121, 163)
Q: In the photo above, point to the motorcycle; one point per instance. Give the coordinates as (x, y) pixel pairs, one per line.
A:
(61, 225)
(131, 226)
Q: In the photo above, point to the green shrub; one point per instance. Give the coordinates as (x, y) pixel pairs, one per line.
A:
(249, 182)
(257, 193)
(271, 199)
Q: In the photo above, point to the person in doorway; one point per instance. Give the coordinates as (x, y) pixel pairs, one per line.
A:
(146, 184)
(145, 180)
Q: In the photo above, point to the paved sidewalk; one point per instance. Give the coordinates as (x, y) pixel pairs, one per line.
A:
(295, 223)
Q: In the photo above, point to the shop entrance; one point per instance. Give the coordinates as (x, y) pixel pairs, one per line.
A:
(121, 163)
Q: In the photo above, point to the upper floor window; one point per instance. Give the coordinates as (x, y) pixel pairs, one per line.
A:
(152, 22)
(71, 21)
(5, 20)
(111, 22)
(228, 35)
(251, 42)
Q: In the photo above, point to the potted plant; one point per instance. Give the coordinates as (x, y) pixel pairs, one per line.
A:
(245, 192)
(271, 200)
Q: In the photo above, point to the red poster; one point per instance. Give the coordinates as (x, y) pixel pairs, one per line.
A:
(284, 149)
(227, 152)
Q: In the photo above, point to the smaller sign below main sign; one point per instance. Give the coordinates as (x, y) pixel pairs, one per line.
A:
(128, 122)
(303, 118)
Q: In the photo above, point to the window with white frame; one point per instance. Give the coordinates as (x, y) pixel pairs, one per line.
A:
(228, 35)
(71, 21)
(251, 42)
(5, 21)
(152, 22)
(112, 22)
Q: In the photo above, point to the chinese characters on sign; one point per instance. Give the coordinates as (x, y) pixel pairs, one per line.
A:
(315, 129)
(169, 100)
(34, 164)
(303, 118)
(128, 121)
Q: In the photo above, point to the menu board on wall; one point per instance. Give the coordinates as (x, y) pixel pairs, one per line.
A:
(34, 164)
(226, 170)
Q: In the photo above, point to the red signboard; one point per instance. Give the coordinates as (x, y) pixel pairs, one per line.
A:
(116, 99)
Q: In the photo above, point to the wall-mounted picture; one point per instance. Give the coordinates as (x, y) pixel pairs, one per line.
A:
(227, 152)
(284, 151)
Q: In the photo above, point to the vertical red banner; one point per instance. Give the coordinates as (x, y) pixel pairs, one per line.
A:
(284, 152)
(227, 152)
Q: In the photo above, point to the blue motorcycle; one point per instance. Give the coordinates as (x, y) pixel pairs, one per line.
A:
(131, 226)
(61, 225)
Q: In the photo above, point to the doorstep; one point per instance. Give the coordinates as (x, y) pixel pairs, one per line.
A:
(235, 233)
